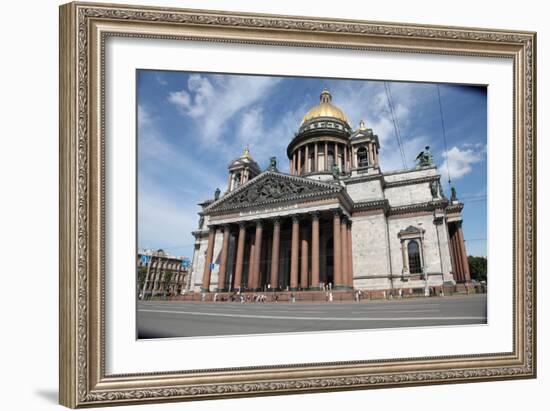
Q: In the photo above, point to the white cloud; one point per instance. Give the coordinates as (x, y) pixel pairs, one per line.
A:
(164, 222)
(144, 118)
(167, 213)
(267, 138)
(212, 103)
(160, 79)
(156, 154)
(459, 161)
(369, 102)
(251, 126)
(390, 159)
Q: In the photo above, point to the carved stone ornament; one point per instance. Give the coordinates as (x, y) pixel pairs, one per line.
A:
(270, 188)
(410, 230)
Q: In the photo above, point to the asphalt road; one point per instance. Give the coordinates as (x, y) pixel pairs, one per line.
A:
(158, 319)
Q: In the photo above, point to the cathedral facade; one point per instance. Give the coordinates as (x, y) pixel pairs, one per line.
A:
(334, 220)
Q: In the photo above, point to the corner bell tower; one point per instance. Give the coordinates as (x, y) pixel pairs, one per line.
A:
(242, 170)
(364, 148)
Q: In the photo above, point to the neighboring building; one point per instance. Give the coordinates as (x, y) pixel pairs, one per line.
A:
(160, 274)
(335, 218)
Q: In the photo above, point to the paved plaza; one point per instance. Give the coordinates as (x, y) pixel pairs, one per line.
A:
(158, 319)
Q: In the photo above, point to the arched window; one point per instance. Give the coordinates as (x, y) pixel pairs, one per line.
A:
(413, 249)
(237, 180)
(312, 166)
(362, 157)
(303, 163)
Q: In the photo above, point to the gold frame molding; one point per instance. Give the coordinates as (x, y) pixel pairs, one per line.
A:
(84, 27)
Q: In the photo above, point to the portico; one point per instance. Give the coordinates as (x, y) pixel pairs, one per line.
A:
(306, 250)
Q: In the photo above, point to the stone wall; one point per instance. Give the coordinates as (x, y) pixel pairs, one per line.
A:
(410, 174)
(199, 257)
(216, 258)
(370, 250)
(408, 194)
(365, 190)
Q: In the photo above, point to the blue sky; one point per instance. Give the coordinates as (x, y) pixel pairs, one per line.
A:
(191, 125)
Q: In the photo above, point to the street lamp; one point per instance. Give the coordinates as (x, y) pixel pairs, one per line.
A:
(147, 257)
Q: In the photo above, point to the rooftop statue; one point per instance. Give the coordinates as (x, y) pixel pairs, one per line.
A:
(273, 164)
(217, 193)
(424, 158)
(336, 171)
(434, 188)
(453, 194)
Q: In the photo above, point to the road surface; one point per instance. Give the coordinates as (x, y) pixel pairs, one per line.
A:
(157, 319)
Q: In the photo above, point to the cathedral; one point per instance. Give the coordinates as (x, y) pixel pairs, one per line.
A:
(334, 221)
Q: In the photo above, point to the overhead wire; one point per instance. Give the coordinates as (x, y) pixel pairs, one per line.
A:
(395, 124)
(444, 135)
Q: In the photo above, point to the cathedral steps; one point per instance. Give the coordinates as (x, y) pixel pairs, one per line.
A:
(337, 295)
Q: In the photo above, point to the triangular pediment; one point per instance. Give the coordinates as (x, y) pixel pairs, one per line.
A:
(272, 187)
(411, 230)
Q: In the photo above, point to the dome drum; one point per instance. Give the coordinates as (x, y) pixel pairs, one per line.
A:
(322, 144)
(319, 136)
(325, 124)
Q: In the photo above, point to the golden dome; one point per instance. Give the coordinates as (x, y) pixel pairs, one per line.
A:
(325, 109)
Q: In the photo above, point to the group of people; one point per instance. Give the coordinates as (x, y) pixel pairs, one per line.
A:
(243, 298)
(264, 297)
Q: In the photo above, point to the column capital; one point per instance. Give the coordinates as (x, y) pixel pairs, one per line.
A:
(242, 224)
(276, 220)
(336, 212)
(259, 222)
(344, 219)
(315, 215)
(438, 220)
(349, 222)
(296, 218)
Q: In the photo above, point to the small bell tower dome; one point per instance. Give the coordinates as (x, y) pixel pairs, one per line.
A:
(241, 170)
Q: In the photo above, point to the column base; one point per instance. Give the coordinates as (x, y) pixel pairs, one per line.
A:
(205, 290)
(221, 290)
(315, 288)
(293, 289)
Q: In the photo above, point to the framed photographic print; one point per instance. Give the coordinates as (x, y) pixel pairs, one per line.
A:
(359, 193)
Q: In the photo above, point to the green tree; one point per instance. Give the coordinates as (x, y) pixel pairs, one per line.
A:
(478, 268)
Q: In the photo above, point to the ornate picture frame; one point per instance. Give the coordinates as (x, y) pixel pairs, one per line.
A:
(84, 29)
